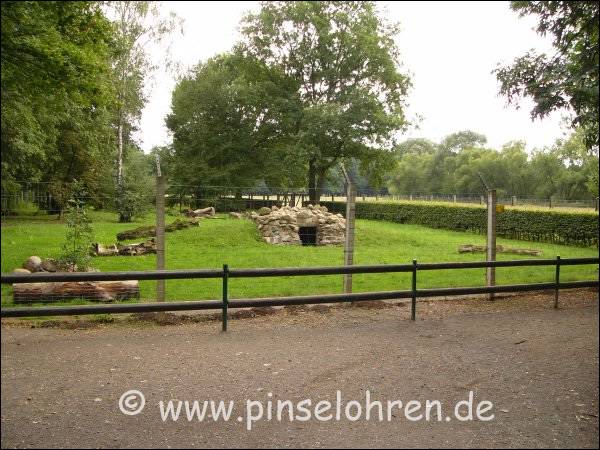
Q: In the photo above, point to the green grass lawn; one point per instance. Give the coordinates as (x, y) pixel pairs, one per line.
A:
(236, 242)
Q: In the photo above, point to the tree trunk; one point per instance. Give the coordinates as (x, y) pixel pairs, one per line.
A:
(313, 194)
(123, 218)
(320, 184)
(120, 154)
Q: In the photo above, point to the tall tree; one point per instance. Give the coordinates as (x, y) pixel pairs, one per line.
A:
(415, 145)
(56, 91)
(567, 79)
(344, 62)
(137, 25)
(462, 140)
(230, 119)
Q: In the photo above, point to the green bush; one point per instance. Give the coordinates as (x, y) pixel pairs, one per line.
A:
(79, 233)
(131, 204)
(557, 227)
(25, 208)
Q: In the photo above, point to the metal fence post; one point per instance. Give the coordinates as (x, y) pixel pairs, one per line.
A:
(225, 296)
(413, 306)
(557, 281)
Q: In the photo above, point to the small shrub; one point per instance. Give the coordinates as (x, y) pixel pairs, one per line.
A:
(131, 204)
(25, 208)
(79, 235)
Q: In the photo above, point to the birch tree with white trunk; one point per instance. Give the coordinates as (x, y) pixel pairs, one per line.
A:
(139, 26)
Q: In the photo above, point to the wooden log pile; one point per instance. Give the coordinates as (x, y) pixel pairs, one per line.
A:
(150, 231)
(48, 292)
(204, 212)
(140, 248)
(472, 248)
(101, 291)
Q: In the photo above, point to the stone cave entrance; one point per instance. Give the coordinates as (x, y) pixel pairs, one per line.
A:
(308, 235)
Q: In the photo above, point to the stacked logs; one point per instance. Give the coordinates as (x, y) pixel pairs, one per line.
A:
(150, 231)
(140, 248)
(47, 292)
(472, 248)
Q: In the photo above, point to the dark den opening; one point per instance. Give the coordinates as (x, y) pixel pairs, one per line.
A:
(308, 235)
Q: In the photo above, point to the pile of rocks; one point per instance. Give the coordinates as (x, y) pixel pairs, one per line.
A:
(36, 264)
(282, 225)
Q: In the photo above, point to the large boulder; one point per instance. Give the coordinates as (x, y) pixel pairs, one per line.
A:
(33, 264)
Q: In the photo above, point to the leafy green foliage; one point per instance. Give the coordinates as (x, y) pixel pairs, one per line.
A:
(129, 204)
(136, 24)
(72, 89)
(56, 91)
(544, 226)
(569, 78)
(567, 170)
(344, 64)
(135, 194)
(79, 236)
(25, 208)
(462, 140)
(229, 124)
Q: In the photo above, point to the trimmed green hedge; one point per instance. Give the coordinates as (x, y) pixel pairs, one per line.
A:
(231, 204)
(569, 228)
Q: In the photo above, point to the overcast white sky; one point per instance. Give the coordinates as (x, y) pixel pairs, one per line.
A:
(449, 48)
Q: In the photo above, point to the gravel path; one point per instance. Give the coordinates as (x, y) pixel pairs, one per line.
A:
(538, 366)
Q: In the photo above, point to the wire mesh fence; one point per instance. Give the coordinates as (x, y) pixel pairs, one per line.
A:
(221, 239)
(35, 199)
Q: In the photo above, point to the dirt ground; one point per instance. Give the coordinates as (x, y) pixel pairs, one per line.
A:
(62, 381)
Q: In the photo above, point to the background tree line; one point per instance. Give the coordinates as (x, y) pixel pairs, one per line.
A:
(567, 170)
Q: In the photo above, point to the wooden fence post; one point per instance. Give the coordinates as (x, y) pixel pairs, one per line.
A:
(160, 234)
(491, 239)
(349, 239)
